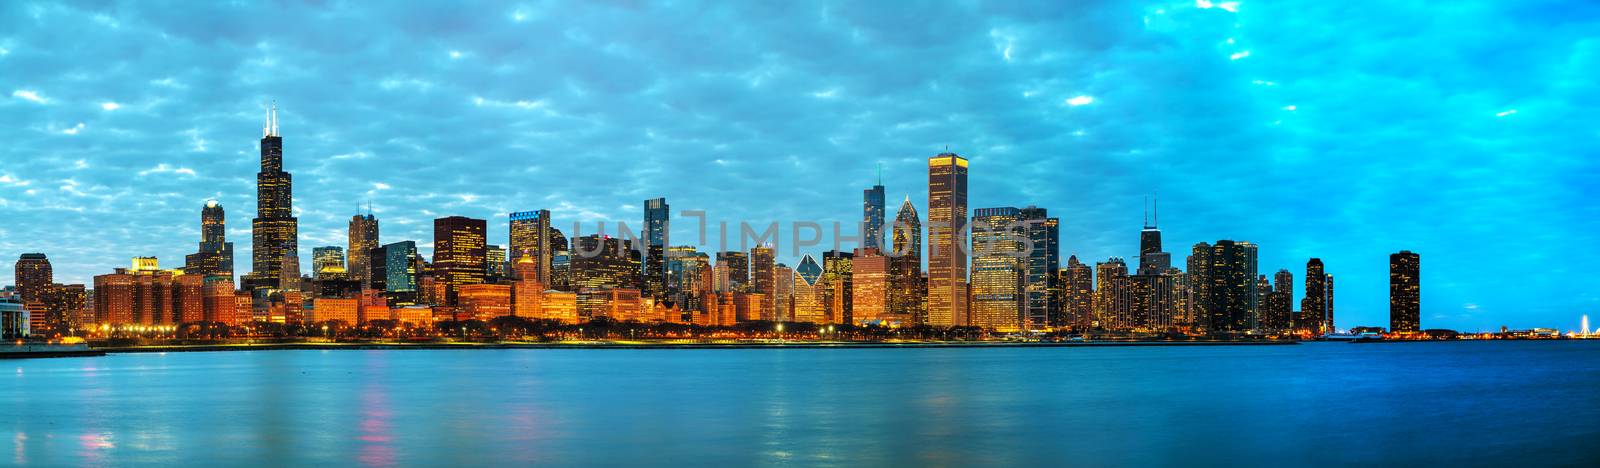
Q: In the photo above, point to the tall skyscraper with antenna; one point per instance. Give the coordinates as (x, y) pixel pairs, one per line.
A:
(872, 215)
(275, 230)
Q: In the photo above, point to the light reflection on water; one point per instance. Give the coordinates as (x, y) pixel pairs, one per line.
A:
(1314, 404)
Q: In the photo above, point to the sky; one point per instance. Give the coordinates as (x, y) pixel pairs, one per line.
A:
(1342, 130)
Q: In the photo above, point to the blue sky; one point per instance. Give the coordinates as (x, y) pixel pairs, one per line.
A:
(1342, 130)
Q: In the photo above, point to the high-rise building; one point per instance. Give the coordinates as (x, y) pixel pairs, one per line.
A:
(560, 261)
(33, 276)
(684, 265)
(872, 206)
(1043, 307)
(808, 294)
(738, 269)
(1405, 292)
(1277, 311)
(363, 238)
(63, 306)
(657, 217)
(999, 270)
(215, 257)
(761, 275)
(1226, 285)
(327, 261)
(275, 230)
(401, 268)
(1113, 300)
(600, 262)
(526, 291)
(458, 253)
(494, 263)
(907, 289)
(1078, 289)
(531, 235)
(869, 294)
(947, 257)
(837, 282)
(783, 294)
(1314, 308)
(1155, 285)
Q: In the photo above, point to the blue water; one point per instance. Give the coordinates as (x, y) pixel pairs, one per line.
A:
(1466, 403)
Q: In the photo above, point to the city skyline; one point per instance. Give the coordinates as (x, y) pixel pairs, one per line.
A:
(129, 166)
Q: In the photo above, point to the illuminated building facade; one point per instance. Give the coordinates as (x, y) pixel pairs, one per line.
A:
(808, 294)
(1078, 291)
(683, 266)
(836, 286)
(62, 306)
(559, 305)
(657, 215)
(1314, 309)
(1405, 292)
(1226, 285)
(327, 262)
(324, 309)
(1113, 301)
(1277, 308)
(999, 270)
(275, 230)
(1042, 308)
(783, 293)
(484, 301)
(738, 265)
(599, 262)
(531, 235)
(495, 266)
(458, 253)
(907, 287)
(870, 289)
(363, 238)
(762, 260)
(215, 257)
(947, 229)
(33, 276)
(872, 209)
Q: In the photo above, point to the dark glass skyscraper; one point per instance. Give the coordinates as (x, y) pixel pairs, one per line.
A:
(214, 260)
(1226, 286)
(738, 269)
(872, 217)
(459, 256)
(1043, 307)
(947, 239)
(275, 230)
(1314, 310)
(1405, 292)
(657, 215)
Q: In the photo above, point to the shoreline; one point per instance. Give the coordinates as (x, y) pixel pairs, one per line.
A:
(645, 345)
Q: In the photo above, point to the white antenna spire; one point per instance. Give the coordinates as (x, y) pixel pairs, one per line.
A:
(274, 117)
(266, 121)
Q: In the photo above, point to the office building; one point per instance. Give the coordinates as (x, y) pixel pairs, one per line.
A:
(947, 255)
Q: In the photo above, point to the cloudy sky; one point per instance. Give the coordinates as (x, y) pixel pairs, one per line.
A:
(1344, 130)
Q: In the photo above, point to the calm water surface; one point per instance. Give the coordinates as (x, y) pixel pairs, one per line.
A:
(1472, 403)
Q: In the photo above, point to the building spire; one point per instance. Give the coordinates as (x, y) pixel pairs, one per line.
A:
(274, 118)
(266, 119)
(1146, 211)
(1155, 210)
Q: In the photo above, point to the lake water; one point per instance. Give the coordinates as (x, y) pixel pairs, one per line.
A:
(1460, 403)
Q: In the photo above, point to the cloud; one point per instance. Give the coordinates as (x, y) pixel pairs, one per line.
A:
(30, 95)
(110, 106)
(1079, 100)
(164, 168)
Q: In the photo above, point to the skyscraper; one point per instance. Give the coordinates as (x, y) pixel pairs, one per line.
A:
(947, 232)
(33, 276)
(458, 253)
(1154, 285)
(906, 286)
(738, 269)
(872, 217)
(1314, 307)
(1227, 286)
(494, 263)
(761, 275)
(1078, 287)
(600, 262)
(837, 282)
(657, 215)
(808, 300)
(1113, 301)
(363, 238)
(1405, 292)
(1043, 307)
(275, 230)
(531, 235)
(401, 266)
(999, 270)
(869, 295)
(214, 259)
